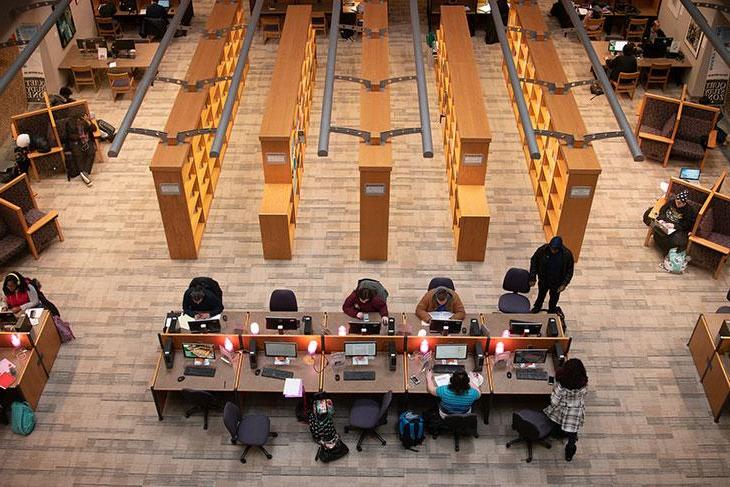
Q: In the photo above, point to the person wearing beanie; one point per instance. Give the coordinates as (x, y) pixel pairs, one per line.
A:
(22, 149)
(551, 266)
(673, 223)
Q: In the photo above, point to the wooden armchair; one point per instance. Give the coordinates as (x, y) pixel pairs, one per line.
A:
(658, 75)
(709, 243)
(107, 27)
(635, 29)
(594, 28)
(626, 83)
(657, 125)
(270, 28)
(120, 82)
(694, 131)
(38, 228)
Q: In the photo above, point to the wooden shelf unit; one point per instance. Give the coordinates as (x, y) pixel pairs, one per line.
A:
(564, 178)
(466, 133)
(185, 175)
(284, 129)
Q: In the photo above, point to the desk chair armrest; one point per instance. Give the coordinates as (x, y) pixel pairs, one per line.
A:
(656, 138)
(709, 244)
(48, 218)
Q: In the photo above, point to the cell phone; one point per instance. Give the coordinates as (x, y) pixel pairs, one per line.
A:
(415, 380)
(551, 380)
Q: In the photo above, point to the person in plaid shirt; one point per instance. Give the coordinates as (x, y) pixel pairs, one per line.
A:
(567, 403)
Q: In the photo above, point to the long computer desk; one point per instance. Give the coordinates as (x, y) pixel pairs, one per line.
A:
(324, 368)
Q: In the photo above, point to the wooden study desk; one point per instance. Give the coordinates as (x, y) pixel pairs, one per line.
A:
(709, 346)
(335, 319)
(503, 385)
(319, 320)
(232, 322)
(250, 382)
(145, 53)
(413, 324)
(644, 63)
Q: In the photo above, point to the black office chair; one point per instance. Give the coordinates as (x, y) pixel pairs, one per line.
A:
(515, 281)
(249, 431)
(724, 309)
(283, 300)
(531, 426)
(367, 414)
(459, 425)
(441, 281)
(202, 401)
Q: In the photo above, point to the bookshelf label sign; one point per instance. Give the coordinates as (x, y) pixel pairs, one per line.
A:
(580, 192)
(170, 189)
(276, 158)
(473, 159)
(375, 189)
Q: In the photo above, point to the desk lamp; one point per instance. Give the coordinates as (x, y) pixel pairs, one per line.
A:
(424, 346)
(254, 328)
(15, 340)
(422, 332)
(311, 350)
(228, 345)
(342, 331)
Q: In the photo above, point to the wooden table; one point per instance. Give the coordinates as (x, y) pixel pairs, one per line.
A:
(413, 324)
(385, 379)
(250, 382)
(145, 53)
(601, 48)
(709, 345)
(318, 322)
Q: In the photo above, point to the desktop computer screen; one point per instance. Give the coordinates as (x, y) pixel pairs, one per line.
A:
(359, 349)
(164, 3)
(124, 44)
(616, 46)
(531, 356)
(450, 352)
(280, 349)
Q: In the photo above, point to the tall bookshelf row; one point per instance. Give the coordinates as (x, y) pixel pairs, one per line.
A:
(466, 134)
(564, 178)
(284, 130)
(185, 175)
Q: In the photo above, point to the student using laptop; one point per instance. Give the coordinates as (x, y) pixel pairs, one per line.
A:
(364, 300)
(20, 294)
(458, 396)
(567, 403)
(203, 298)
(623, 63)
(440, 299)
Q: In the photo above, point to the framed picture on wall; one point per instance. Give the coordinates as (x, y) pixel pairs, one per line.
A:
(66, 27)
(694, 38)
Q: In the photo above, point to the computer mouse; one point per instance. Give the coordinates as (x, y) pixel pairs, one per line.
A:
(181, 378)
(509, 375)
(258, 372)
(337, 376)
(225, 317)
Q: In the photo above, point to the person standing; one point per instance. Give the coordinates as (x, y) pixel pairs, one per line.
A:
(567, 403)
(551, 266)
(78, 135)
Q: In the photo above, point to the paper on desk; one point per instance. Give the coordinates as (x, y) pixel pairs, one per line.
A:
(34, 315)
(293, 388)
(5, 365)
(442, 379)
(112, 64)
(441, 315)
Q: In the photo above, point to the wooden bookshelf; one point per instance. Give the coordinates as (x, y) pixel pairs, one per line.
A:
(564, 178)
(284, 129)
(466, 133)
(185, 175)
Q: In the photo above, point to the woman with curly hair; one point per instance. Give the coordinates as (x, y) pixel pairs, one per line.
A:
(567, 402)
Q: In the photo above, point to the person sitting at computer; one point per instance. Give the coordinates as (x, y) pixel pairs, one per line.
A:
(655, 31)
(107, 9)
(458, 396)
(567, 403)
(364, 300)
(201, 301)
(623, 63)
(680, 215)
(440, 299)
(19, 293)
(155, 11)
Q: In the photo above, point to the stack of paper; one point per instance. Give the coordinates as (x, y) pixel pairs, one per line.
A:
(293, 388)
(5, 365)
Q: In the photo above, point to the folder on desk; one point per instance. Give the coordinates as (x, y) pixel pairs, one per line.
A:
(293, 388)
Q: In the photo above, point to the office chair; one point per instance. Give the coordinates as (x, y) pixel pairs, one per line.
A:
(531, 426)
(459, 425)
(202, 401)
(441, 281)
(367, 414)
(724, 309)
(249, 431)
(516, 281)
(283, 300)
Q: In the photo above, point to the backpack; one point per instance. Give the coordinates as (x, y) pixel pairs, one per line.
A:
(676, 261)
(64, 329)
(411, 429)
(23, 418)
(375, 286)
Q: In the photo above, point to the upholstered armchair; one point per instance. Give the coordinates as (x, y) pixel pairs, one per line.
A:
(657, 125)
(709, 245)
(696, 122)
(39, 228)
(12, 243)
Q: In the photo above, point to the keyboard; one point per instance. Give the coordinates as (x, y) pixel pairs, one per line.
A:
(359, 375)
(276, 373)
(447, 368)
(199, 370)
(531, 374)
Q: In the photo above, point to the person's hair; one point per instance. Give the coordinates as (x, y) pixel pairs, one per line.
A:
(442, 294)
(197, 293)
(572, 375)
(65, 92)
(629, 49)
(459, 382)
(365, 293)
(18, 279)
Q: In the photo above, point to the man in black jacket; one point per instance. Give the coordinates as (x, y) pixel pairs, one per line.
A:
(203, 298)
(552, 267)
(623, 63)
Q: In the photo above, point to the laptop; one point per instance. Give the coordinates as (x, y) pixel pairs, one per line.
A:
(616, 46)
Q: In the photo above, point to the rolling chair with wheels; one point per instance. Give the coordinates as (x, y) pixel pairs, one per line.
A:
(516, 281)
(441, 281)
(202, 401)
(249, 431)
(459, 425)
(367, 414)
(283, 300)
(531, 426)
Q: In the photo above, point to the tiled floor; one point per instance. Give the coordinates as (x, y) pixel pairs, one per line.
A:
(647, 420)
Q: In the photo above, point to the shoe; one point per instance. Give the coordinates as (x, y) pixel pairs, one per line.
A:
(535, 310)
(86, 179)
(570, 452)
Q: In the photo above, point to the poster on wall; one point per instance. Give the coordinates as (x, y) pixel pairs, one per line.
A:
(33, 77)
(66, 27)
(694, 38)
(718, 73)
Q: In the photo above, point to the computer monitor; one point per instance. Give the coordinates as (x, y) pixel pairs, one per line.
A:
(521, 328)
(205, 326)
(364, 327)
(616, 46)
(164, 3)
(285, 322)
(360, 349)
(280, 349)
(81, 44)
(123, 45)
(531, 356)
(8, 318)
(450, 352)
(437, 326)
(94, 43)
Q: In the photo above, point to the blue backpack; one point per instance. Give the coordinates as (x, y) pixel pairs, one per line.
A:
(23, 418)
(411, 429)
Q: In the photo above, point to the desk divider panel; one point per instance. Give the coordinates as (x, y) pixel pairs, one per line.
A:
(413, 343)
(6, 339)
(302, 341)
(519, 343)
(208, 338)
